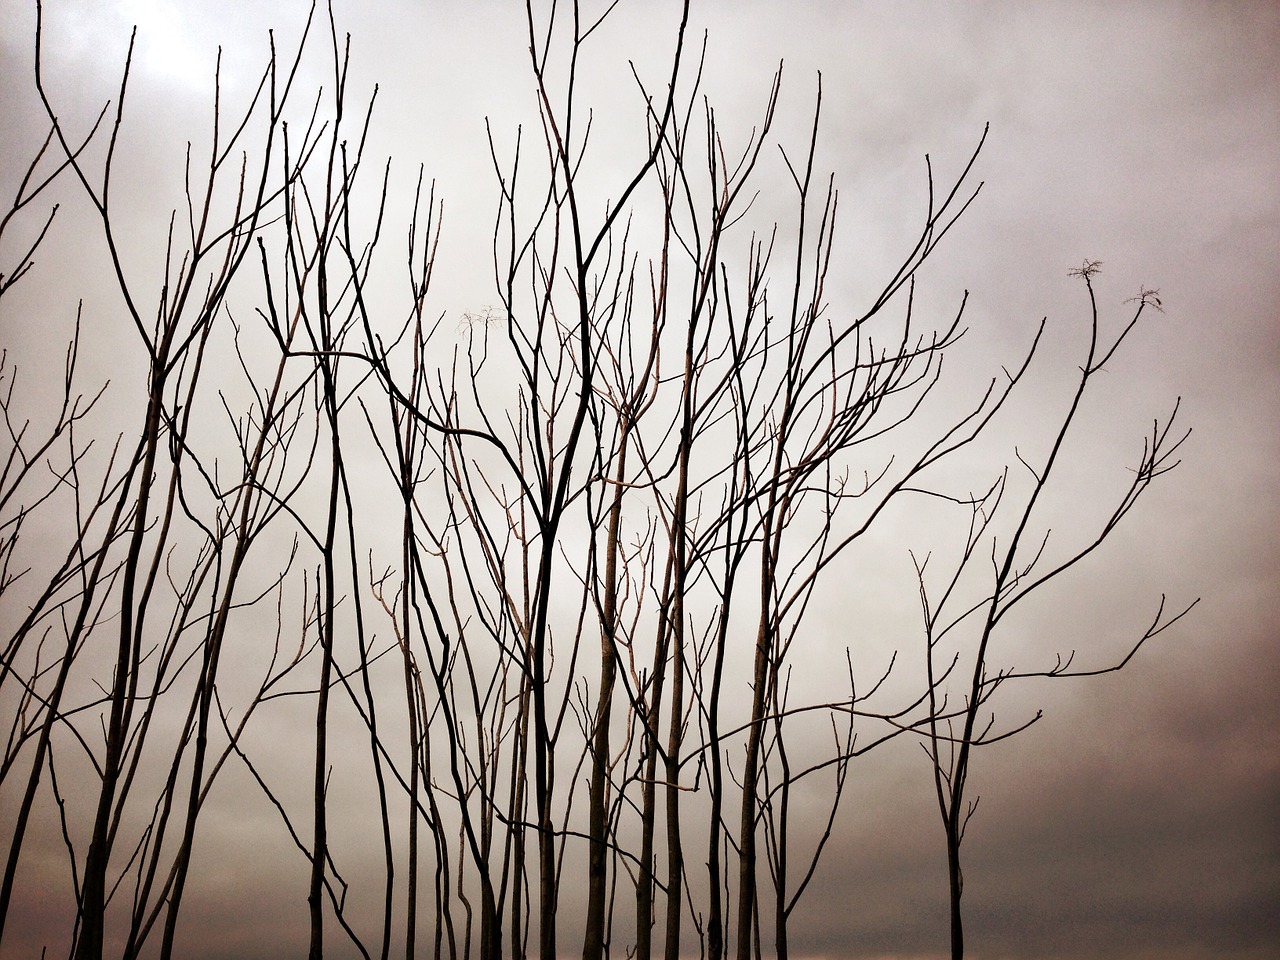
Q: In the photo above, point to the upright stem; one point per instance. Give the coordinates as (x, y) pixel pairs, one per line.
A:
(93, 890)
(598, 823)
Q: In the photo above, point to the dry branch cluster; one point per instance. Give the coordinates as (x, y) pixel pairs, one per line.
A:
(525, 591)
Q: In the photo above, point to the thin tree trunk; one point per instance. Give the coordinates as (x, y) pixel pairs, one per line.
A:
(598, 801)
(93, 889)
(956, 883)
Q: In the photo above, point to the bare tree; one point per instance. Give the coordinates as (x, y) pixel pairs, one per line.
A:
(159, 508)
(566, 613)
(1016, 563)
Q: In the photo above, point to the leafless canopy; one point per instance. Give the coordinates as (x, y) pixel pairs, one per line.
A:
(526, 587)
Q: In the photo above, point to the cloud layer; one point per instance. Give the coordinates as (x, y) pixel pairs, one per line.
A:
(1138, 819)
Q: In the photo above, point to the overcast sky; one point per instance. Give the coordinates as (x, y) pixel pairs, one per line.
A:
(1141, 818)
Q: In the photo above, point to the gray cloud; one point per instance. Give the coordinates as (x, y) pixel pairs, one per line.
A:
(1138, 819)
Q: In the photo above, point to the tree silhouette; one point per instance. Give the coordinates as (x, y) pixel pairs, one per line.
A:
(537, 583)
